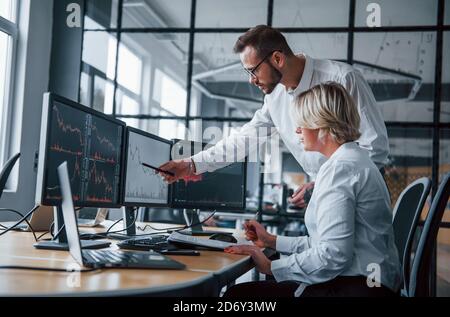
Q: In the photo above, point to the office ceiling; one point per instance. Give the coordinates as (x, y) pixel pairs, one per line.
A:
(405, 52)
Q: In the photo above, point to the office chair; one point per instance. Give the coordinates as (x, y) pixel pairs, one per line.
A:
(406, 215)
(4, 174)
(419, 285)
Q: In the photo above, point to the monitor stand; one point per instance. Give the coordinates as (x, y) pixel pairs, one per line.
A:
(191, 216)
(129, 218)
(60, 243)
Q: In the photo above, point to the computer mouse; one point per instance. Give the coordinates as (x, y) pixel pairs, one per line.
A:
(223, 237)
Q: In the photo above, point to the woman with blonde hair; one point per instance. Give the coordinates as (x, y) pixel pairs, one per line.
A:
(350, 249)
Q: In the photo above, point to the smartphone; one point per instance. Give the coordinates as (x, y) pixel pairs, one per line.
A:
(308, 194)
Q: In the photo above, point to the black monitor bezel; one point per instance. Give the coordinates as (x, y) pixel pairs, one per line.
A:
(52, 97)
(125, 163)
(211, 206)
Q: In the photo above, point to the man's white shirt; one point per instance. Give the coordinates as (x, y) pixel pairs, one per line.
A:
(275, 117)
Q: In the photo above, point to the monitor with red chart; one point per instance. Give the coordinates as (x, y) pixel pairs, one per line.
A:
(224, 189)
(91, 143)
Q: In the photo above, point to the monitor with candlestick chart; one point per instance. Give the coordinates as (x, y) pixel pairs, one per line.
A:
(90, 142)
(222, 189)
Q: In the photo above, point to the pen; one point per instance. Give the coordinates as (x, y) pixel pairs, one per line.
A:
(179, 252)
(158, 169)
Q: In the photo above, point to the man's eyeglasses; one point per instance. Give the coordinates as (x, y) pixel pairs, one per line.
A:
(251, 71)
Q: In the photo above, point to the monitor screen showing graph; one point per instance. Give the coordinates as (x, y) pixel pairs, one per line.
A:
(222, 189)
(90, 142)
(142, 187)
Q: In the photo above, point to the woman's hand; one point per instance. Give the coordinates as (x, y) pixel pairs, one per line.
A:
(256, 233)
(298, 198)
(261, 261)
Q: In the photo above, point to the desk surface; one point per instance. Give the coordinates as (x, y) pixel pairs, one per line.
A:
(16, 248)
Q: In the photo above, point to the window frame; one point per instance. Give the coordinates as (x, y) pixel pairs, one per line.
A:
(11, 29)
(154, 86)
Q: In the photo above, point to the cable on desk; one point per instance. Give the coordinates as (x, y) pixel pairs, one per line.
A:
(159, 229)
(40, 237)
(201, 222)
(24, 218)
(166, 230)
(105, 234)
(115, 223)
(17, 267)
(173, 228)
(21, 215)
(144, 234)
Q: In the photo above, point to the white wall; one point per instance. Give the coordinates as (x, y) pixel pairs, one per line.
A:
(31, 81)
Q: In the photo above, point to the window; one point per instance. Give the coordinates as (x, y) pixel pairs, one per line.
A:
(400, 67)
(129, 70)
(319, 45)
(127, 105)
(170, 94)
(98, 60)
(445, 90)
(171, 129)
(129, 83)
(8, 36)
(104, 13)
(406, 166)
(231, 13)
(8, 10)
(447, 12)
(398, 12)
(305, 13)
(171, 97)
(156, 13)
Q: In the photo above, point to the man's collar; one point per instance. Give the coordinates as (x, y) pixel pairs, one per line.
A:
(305, 81)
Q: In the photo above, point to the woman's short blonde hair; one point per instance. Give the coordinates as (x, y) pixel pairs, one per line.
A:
(329, 107)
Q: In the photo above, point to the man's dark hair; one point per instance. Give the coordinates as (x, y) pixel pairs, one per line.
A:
(264, 40)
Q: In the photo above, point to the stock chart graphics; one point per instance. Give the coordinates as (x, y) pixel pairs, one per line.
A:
(222, 188)
(142, 185)
(91, 145)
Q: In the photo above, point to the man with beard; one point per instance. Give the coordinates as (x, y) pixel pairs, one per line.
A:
(281, 76)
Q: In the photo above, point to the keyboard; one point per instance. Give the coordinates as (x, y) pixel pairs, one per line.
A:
(184, 239)
(102, 256)
(108, 258)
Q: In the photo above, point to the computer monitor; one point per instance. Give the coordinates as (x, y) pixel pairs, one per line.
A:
(142, 187)
(91, 143)
(223, 189)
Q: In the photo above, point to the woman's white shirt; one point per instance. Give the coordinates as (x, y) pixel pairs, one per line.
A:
(349, 222)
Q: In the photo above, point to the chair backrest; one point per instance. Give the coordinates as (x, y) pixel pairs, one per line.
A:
(419, 279)
(406, 215)
(4, 174)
